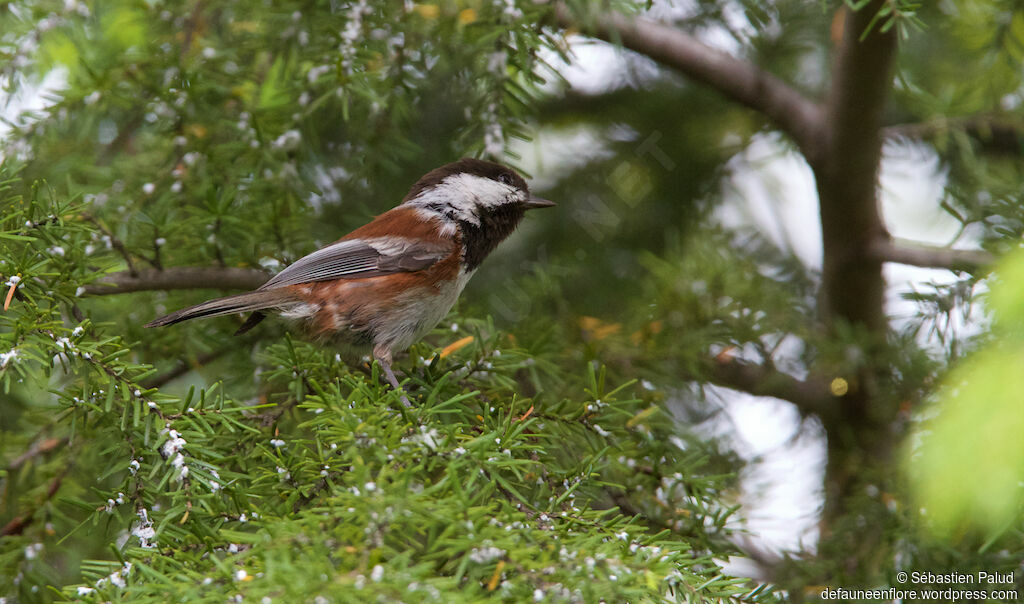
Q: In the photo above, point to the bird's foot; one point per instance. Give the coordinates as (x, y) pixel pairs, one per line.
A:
(390, 375)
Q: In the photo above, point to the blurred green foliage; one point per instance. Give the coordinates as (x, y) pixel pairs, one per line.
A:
(968, 464)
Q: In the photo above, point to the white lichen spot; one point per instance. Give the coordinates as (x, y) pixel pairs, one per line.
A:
(116, 579)
(173, 444)
(426, 437)
(288, 141)
(32, 551)
(352, 33)
(143, 529)
(315, 72)
(7, 357)
(511, 11)
(483, 555)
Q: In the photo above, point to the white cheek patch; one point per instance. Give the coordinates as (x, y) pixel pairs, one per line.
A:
(484, 192)
(454, 203)
(462, 195)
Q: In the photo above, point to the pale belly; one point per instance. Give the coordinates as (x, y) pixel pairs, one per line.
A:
(414, 314)
(349, 320)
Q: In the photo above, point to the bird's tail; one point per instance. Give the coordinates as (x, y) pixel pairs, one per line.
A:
(239, 303)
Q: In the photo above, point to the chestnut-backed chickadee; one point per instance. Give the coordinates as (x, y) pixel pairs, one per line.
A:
(386, 284)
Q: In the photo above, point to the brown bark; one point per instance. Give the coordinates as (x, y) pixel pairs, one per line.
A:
(740, 80)
(847, 172)
(178, 278)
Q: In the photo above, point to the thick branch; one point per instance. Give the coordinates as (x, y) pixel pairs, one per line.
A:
(929, 256)
(737, 79)
(860, 433)
(847, 175)
(178, 278)
(810, 396)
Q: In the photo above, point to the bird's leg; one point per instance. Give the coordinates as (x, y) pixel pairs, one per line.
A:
(384, 358)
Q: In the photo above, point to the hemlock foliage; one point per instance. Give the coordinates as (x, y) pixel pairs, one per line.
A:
(557, 450)
(321, 482)
(244, 135)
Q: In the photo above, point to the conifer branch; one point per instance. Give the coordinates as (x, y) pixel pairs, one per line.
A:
(177, 278)
(810, 396)
(929, 256)
(742, 81)
(38, 448)
(18, 524)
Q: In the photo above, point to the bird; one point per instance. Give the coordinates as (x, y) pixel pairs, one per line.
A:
(383, 286)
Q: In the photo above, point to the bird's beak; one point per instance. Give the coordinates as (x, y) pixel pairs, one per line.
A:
(535, 202)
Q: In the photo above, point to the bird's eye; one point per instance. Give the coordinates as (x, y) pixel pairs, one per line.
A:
(505, 178)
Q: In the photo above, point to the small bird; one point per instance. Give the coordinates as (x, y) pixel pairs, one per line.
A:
(386, 284)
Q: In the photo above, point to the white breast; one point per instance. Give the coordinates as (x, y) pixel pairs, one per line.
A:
(414, 314)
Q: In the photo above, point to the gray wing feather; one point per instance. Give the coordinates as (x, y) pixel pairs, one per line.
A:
(358, 259)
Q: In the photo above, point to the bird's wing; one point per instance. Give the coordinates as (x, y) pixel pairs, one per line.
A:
(361, 258)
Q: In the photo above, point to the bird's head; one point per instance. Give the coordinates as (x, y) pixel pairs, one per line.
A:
(473, 193)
